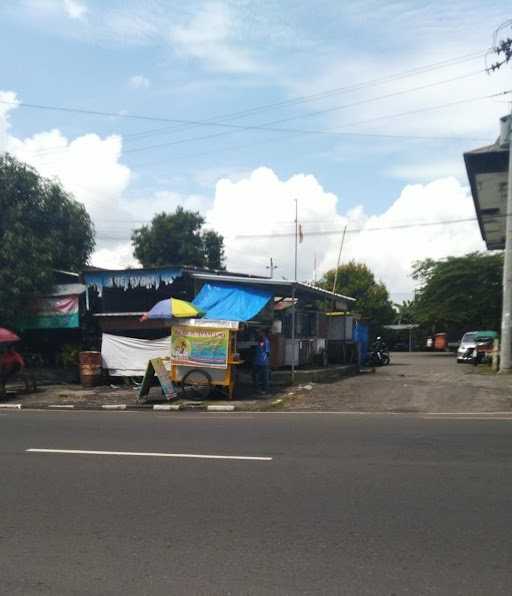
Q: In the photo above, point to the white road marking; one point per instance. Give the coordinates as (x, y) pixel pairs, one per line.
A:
(149, 454)
(472, 417)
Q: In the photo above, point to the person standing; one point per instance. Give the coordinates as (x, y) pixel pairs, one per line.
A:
(262, 362)
(11, 363)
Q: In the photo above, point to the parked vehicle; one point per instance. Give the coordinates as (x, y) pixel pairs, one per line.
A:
(379, 354)
(466, 347)
(484, 346)
(476, 346)
(441, 342)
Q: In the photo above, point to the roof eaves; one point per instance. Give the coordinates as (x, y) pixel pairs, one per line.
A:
(271, 282)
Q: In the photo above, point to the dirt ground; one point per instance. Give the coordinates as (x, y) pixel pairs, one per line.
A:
(417, 382)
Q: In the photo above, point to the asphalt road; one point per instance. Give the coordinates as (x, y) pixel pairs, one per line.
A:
(348, 504)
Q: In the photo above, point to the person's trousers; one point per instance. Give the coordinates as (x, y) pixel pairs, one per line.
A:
(6, 372)
(262, 377)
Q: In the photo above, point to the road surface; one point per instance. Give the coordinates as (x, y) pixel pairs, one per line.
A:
(332, 504)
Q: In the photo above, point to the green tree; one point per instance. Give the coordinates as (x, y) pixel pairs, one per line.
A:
(42, 228)
(178, 239)
(460, 292)
(213, 247)
(356, 280)
(405, 312)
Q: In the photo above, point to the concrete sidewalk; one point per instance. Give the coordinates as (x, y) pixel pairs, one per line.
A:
(416, 382)
(413, 383)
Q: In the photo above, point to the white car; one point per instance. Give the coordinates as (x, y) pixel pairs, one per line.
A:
(466, 343)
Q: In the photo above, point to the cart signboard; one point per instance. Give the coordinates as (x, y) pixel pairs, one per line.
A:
(199, 346)
(156, 367)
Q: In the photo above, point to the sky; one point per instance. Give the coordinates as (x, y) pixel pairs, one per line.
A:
(360, 111)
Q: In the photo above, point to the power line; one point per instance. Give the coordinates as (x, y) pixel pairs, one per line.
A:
(320, 95)
(232, 127)
(359, 230)
(299, 133)
(337, 132)
(348, 231)
(268, 126)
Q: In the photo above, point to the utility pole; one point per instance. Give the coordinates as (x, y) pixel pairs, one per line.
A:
(338, 262)
(503, 50)
(296, 236)
(506, 315)
(272, 267)
(293, 291)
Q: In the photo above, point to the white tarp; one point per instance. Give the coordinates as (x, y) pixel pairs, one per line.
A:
(128, 356)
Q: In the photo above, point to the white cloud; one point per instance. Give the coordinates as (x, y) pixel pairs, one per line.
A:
(209, 37)
(139, 82)
(8, 102)
(393, 107)
(427, 171)
(88, 166)
(258, 204)
(75, 9)
(117, 257)
(262, 204)
(391, 252)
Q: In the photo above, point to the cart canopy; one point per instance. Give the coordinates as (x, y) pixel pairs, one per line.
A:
(231, 302)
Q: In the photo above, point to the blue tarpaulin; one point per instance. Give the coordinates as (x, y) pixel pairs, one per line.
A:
(231, 302)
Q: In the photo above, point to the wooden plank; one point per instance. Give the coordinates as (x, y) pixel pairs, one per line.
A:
(157, 367)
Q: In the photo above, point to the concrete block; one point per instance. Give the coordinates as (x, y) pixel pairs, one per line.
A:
(219, 408)
(167, 407)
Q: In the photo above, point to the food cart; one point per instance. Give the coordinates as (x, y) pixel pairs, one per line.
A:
(204, 355)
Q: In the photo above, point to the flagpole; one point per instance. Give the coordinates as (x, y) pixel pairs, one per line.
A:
(338, 266)
(296, 235)
(293, 293)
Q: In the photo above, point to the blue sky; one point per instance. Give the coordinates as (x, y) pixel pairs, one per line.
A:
(199, 61)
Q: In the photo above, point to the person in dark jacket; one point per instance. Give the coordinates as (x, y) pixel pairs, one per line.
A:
(261, 362)
(11, 363)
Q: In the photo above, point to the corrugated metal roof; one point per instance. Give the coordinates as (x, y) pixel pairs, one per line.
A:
(277, 283)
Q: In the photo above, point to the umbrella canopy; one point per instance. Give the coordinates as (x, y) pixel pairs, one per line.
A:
(173, 308)
(7, 337)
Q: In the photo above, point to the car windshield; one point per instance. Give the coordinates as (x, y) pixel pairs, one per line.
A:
(468, 337)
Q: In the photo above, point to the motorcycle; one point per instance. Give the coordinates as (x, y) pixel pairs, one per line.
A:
(379, 355)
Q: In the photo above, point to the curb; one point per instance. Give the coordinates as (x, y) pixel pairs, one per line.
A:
(272, 408)
(226, 408)
(167, 407)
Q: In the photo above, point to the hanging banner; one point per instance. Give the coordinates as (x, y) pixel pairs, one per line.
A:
(199, 346)
(53, 312)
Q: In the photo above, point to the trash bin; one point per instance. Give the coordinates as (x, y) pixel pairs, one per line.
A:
(90, 368)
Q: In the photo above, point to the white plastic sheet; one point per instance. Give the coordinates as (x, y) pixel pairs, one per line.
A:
(128, 356)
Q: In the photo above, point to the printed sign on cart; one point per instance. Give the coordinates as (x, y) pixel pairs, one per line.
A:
(196, 346)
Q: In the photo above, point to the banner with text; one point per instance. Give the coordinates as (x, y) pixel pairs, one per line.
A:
(200, 347)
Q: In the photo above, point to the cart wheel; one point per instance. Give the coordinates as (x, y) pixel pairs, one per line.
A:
(196, 384)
